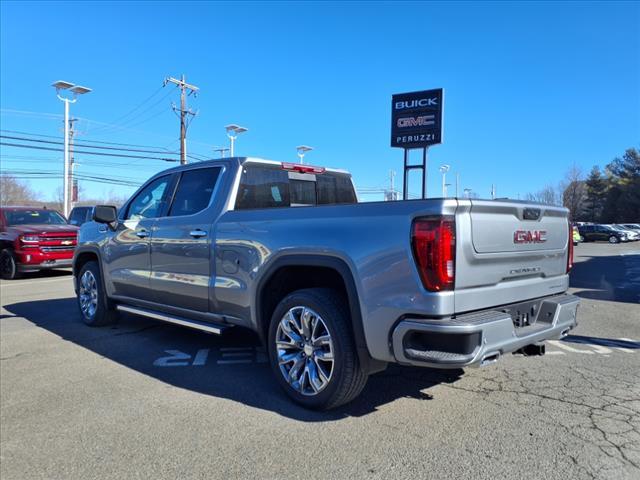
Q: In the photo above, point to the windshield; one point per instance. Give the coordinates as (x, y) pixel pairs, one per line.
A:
(29, 217)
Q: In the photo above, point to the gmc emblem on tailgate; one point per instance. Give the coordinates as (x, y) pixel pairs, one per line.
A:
(529, 236)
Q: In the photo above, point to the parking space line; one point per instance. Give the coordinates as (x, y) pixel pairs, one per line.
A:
(31, 282)
(566, 347)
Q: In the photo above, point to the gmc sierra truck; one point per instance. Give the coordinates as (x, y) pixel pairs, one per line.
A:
(33, 239)
(335, 289)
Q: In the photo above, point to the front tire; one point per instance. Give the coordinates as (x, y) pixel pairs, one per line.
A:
(312, 351)
(8, 265)
(613, 239)
(93, 303)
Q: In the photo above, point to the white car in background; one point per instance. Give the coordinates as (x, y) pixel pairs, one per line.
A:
(631, 226)
(632, 235)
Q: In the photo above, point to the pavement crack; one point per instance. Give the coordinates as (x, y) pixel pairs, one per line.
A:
(11, 357)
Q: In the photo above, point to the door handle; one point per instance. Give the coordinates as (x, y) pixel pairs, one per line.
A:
(197, 233)
(142, 234)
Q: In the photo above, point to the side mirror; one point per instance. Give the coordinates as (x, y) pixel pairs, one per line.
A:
(105, 214)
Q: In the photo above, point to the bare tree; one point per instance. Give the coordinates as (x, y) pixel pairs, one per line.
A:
(15, 192)
(548, 195)
(574, 191)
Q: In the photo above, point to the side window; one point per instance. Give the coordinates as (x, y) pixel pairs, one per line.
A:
(263, 187)
(194, 191)
(148, 203)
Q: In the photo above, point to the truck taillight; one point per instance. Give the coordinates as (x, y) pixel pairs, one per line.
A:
(433, 240)
(570, 247)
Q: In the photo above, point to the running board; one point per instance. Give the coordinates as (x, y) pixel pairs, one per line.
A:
(164, 317)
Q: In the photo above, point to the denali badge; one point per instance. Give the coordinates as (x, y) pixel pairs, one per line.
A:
(529, 236)
(524, 270)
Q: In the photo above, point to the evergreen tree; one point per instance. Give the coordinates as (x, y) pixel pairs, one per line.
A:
(625, 192)
(596, 193)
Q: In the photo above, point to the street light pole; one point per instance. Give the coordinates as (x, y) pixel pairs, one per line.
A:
(76, 90)
(302, 149)
(233, 131)
(65, 181)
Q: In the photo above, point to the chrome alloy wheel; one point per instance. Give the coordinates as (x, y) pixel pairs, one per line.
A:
(88, 294)
(305, 350)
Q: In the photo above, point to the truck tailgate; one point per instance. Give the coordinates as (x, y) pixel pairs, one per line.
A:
(508, 252)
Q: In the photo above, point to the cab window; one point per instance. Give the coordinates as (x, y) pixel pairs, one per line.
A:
(150, 201)
(194, 191)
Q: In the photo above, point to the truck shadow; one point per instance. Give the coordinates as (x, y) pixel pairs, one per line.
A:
(231, 366)
(612, 278)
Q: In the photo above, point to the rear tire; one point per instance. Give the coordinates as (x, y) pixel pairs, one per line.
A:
(312, 351)
(95, 308)
(8, 265)
(614, 239)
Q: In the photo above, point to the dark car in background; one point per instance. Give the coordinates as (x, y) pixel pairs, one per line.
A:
(80, 215)
(33, 239)
(602, 233)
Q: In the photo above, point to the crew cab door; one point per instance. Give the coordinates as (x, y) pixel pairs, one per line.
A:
(126, 256)
(181, 242)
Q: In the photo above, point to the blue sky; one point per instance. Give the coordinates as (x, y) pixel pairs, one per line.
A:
(530, 87)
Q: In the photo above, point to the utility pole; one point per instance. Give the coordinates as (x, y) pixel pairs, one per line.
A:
(221, 150)
(72, 195)
(493, 191)
(457, 183)
(184, 86)
(392, 174)
(443, 170)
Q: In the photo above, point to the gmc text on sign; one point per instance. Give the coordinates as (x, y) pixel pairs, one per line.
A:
(416, 119)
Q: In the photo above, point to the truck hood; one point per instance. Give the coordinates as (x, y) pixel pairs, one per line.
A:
(43, 229)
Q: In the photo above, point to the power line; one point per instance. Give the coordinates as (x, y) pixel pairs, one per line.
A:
(138, 106)
(162, 149)
(26, 139)
(101, 180)
(114, 126)
(121, 155)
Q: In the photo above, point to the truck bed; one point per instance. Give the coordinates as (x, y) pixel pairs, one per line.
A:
(374, 242)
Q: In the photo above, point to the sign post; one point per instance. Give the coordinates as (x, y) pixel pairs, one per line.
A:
(416, 122)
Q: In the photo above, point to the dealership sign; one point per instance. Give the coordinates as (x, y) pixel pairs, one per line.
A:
(416, 119)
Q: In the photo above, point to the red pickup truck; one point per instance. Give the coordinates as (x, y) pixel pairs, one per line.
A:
(34, 239)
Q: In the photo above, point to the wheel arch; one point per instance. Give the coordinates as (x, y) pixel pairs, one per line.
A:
(80, 258)
(332, 267)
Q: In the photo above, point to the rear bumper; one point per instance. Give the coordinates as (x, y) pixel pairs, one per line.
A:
(481, 337)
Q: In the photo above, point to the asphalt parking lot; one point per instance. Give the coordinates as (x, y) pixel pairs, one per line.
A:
(150, 400)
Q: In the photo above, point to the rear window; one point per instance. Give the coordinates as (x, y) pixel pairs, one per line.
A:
(270, 186)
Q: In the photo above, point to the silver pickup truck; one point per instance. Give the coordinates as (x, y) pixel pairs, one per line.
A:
(335, 289)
